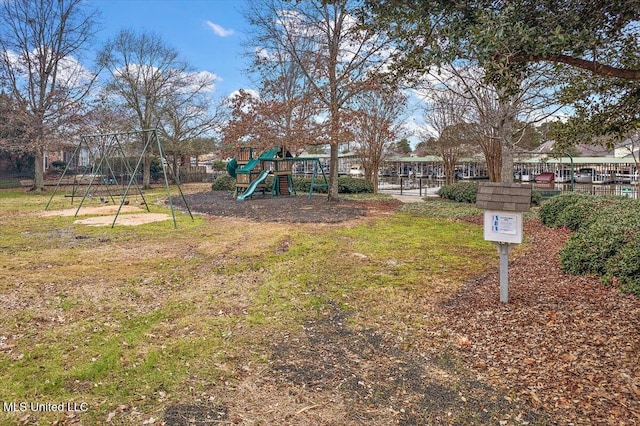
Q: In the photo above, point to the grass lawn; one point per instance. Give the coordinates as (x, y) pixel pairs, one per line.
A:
(130, 325)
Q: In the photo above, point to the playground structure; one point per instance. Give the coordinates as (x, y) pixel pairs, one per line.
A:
(251, 172)
(107, 167)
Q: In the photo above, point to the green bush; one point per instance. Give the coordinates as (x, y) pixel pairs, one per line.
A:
(536, 198)
(573, 210)
(551, 209)
(623, 268)
(467, 192)
(346, 185)
(223, 183)
(462, 192)
(303, 184)
(607, 244)
(350, 185)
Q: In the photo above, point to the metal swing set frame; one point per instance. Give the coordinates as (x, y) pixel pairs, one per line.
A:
(109, 145)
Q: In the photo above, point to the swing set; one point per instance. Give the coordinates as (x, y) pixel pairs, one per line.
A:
(101, 167)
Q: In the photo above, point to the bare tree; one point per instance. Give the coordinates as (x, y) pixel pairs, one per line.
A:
(186, 118)
(284, 104)
(446, 116)
(41, 46)
(146, 77)
(376, 126)
(501, 117)
(338, 58)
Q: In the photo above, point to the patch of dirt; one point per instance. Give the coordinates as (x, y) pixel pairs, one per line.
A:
(194, 415)
(104, 215)
(108, 209)
(382, 382)
(124, 219)
(295, 209)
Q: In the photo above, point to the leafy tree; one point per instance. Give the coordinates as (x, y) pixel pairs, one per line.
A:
(41, 46)
(403, 146)
(600, 39)
(604, 107)
(594, 45)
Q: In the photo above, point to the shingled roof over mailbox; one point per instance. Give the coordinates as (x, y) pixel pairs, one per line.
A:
(508, 197)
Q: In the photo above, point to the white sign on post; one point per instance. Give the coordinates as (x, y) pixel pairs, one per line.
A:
(503, 227)
(503, 204)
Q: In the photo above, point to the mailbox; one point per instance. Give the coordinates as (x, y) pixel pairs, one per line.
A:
(503, 205)
(503, 227)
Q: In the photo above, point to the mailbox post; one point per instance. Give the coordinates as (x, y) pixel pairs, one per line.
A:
(503, 206)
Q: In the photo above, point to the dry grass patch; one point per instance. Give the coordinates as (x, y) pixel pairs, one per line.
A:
(236, 321)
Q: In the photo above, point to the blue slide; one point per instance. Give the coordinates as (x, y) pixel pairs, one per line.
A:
(257, 181)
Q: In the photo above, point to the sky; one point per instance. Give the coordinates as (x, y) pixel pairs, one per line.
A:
(207, 33)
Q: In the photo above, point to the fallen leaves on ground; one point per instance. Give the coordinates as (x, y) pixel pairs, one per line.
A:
(569, 345)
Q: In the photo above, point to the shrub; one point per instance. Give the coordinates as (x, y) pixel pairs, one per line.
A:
(536, 198)
(223, 183)
(623, 268)
(607, 245)
(573, 210)
(346, 185)
(350, 185)
(462, 192)
(467, 192)
(303, 184)
(58, 164)
(551, 209)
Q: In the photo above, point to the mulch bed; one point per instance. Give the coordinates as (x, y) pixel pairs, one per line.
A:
(295, 209)
(569, 345)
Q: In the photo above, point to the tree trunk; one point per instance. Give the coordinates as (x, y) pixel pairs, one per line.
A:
(333, 160)
(449, 168)
(506, 153)
(333, 173)
(38, 175)
(373, 175)
(176, 169)
(146, 171)
(507, 163)
(493, 157)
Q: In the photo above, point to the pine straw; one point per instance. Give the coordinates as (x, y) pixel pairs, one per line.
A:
(567, 345)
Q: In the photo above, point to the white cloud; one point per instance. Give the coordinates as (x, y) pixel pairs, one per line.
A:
(222, 32)
(236, 93)
(70, 73)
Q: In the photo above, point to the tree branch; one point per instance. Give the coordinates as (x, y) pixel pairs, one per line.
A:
(585, 64)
